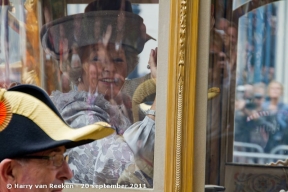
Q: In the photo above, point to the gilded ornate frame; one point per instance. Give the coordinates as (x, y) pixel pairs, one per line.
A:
(190, 103)
(183, 112)
(183, 54)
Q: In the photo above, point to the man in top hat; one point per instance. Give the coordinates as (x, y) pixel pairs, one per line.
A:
(33, 140)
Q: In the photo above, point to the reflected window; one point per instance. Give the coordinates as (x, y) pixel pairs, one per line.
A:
(261, 106)
(247, 124)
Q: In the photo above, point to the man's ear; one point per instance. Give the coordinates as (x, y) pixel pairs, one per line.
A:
(6, 171)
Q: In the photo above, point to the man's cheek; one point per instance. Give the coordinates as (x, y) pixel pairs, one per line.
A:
(44, 178)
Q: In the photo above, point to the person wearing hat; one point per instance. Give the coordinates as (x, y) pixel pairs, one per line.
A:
(101, 55)
(33, 139)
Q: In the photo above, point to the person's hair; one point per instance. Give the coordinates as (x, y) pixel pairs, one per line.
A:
(232, 25)
(275, 82)
(259, 86)
(216, 40)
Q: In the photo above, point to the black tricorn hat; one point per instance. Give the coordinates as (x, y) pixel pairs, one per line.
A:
(128, 28)
(30, 123)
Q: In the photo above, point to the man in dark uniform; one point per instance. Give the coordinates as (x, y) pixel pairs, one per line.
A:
(33, 140)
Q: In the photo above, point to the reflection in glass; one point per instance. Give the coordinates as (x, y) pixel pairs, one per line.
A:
(19, 56)
(261, 123)
(247, 124)
(97, 50)
(99, 64)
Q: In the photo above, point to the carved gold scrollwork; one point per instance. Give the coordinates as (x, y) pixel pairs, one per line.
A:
(181, 65)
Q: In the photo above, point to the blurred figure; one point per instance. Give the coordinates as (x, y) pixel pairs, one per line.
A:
(219, 69)
(232, 37)
(244, 94)
(259, 95)
(231, 40)
(218, 77)
(259, 117)
(222, 24)
(279, 110)
(241, 130)
(252, 123)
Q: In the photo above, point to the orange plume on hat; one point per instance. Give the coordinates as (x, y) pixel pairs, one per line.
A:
(5, 111)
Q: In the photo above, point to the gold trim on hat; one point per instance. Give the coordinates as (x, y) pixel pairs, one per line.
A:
(50, 123)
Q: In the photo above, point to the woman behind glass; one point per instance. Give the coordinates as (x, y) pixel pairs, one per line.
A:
(99, 60)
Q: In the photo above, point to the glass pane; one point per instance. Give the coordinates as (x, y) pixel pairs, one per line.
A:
(247, 122)
(19, 55)
(261, 100)
(98, 61)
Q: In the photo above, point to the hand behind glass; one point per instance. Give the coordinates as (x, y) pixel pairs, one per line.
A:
(153, 63)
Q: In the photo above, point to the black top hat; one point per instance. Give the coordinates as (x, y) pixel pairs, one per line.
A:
(30, 123)
(128, 28)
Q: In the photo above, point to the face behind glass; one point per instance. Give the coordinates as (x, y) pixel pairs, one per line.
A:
(259, 96)
(275, 90)
(107, 64)
(231, 39)
(41, 172)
